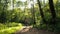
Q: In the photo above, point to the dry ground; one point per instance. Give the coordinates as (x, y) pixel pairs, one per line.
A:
(30, 30)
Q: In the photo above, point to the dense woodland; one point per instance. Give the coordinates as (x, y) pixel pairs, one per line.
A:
(41, 14)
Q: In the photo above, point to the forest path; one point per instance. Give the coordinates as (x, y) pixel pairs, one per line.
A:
(30, 30)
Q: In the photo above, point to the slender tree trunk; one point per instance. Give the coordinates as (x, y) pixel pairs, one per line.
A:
(33, 13)
(12, 8)
(3, 15)
(13, 4)
(52, 9)
(41, 11)
(57, 5)
(25, 19)
(53, 13)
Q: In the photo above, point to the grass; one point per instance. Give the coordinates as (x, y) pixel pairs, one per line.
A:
(9, 28)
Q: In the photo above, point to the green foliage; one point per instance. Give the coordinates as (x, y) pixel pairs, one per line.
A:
(22, 15)
(10, 28)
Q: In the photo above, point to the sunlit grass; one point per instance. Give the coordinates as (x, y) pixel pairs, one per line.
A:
(10, 28)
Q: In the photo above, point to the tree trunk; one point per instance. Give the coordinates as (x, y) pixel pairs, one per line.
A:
(41, 11)
(33, 12)
(53, 13)
(3, 14)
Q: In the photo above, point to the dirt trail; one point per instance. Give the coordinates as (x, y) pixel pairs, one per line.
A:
(30, 30)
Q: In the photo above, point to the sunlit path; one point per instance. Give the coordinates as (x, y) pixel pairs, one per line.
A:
(30, 30)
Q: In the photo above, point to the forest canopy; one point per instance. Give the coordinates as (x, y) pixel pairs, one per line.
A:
(41, 14)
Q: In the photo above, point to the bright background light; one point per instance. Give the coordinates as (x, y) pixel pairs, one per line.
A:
(28, 5)
(21, 0)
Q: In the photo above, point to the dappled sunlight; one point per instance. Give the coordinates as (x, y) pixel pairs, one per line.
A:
(29, 16)
(11, 29)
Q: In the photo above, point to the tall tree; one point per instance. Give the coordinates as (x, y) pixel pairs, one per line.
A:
(25, 19)
(41, 11)
(13, 6)
(3, 14)
(33, 12)
(13, 3)
(53, 13)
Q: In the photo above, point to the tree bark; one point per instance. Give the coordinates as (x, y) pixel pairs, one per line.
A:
(41, 11)
(53, 14)
(33, 13)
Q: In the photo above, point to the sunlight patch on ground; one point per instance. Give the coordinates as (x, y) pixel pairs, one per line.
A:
(10, 28)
